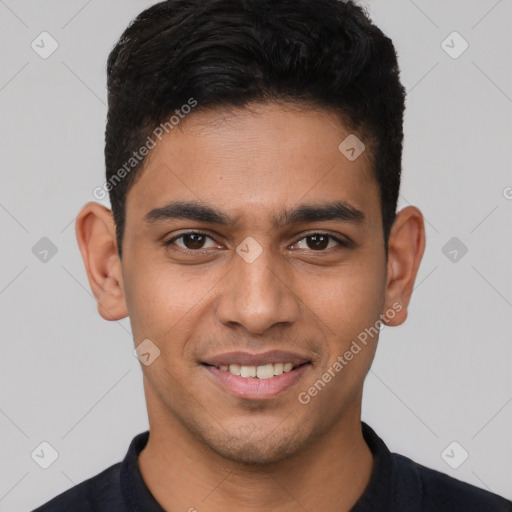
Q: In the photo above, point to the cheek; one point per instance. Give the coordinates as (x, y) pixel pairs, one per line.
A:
(349, 303)
(348, 298)
(164, 301)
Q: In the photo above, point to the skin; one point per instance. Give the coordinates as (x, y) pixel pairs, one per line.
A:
(209, 450)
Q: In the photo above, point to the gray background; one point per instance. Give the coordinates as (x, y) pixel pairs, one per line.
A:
(69, 378)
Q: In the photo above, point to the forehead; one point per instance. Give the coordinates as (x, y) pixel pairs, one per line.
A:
(255, 162)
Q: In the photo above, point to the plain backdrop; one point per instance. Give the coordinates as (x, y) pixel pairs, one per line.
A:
(70, 379)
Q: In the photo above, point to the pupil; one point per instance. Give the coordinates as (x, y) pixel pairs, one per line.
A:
(195, 240)
(319, 241)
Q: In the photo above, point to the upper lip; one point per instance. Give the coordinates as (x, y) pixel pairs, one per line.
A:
(252, 359)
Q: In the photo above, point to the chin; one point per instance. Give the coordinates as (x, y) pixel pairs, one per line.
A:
(255, 453)
(250, 445)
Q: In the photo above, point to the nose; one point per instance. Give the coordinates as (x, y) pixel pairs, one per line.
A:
(259, 294)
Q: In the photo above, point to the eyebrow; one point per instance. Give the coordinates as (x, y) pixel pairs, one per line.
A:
(337, 210)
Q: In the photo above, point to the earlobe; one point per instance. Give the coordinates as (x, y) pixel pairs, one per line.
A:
(95, 233)
(405, 249)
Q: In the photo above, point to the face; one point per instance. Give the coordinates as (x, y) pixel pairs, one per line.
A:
(277, 261)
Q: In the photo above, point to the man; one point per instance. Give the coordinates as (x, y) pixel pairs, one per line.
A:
(253, 155)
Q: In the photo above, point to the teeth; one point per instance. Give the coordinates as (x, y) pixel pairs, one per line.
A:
(265, 372)
(278, 368)
(235, 369)
(261, 372)
(248, 371)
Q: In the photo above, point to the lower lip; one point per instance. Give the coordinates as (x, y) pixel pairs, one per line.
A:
(253, 388)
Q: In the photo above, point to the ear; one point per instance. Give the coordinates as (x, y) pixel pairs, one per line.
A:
(95, 233)
(405, 250)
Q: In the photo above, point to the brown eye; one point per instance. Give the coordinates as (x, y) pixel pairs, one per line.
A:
(320, 242)
(191, 241)
(317, 242)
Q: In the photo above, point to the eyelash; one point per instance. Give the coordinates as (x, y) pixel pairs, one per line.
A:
(170, 241)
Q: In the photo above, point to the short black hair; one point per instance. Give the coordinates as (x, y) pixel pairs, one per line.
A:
(230, 53)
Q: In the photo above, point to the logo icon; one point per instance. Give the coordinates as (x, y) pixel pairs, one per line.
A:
(454, 250)
(44, 45)
(44, 455)
(44, 250)
(351, 147)
(454, 45)
(146, 352)
(249, 249)
(454, 455)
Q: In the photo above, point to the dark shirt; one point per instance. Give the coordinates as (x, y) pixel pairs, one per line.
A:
(397, 484)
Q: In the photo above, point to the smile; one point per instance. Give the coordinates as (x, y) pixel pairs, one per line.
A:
(266, 371)
(260, 382)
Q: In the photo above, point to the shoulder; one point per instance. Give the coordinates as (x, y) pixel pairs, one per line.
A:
(99, 493)
(441, 492)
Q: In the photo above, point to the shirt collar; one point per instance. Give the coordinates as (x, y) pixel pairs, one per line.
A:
(136, 494)
(379, 491)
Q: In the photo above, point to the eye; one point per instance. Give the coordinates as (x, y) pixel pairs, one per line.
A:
(191, 241)
(320, 242)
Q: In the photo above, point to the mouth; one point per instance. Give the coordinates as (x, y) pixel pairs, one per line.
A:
(257, 376)
(266, 371)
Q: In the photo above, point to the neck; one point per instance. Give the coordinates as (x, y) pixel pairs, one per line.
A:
(183, 474)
